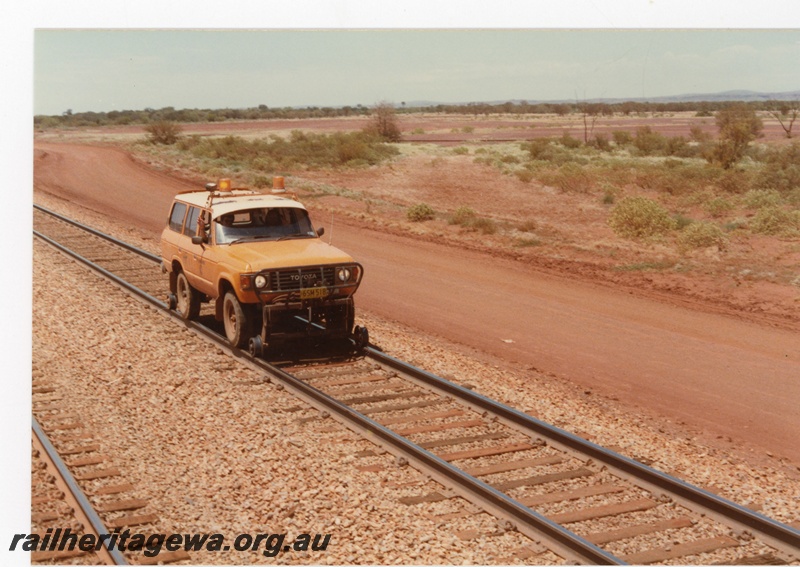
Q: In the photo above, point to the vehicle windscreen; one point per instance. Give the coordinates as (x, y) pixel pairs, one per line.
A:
(278, 223)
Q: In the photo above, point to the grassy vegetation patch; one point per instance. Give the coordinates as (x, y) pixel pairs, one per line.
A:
(776, 221)
(300, 151)
(640, 217)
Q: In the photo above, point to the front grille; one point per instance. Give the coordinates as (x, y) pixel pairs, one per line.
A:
(292, 280)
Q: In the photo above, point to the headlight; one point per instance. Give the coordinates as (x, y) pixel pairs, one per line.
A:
(343, 274)
(260, 281)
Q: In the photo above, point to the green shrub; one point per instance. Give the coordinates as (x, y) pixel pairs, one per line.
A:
(776, 221)
(420, 212)
(461, 150)
(640, 217)
(302, 150)
(701, 235)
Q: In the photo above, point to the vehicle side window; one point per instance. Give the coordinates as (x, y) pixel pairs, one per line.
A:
(176, 218)
(191, 222)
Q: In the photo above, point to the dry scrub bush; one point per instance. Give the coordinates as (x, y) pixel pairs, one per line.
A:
(469, 219)
(463, 216)
(421, 212)
(163, 132)
(762, 198)
(734, 181)
(640, 217)
(673, 177)
(775, 221)
(524, 175)
(542, 149)
(701, 235)
(718, 206)
(571, 178)
(484, 225)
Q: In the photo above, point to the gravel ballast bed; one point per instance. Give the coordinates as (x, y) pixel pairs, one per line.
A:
(213, 451)
(212, 448)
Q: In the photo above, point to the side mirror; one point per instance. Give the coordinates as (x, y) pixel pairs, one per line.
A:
(199, 239)
(320, 231)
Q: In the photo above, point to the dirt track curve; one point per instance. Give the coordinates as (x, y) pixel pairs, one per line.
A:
(722, 374)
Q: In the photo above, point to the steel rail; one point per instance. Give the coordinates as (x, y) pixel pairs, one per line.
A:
(121, 243)
(101, 270)
(527, 521)
(786, 537)
(86, 507)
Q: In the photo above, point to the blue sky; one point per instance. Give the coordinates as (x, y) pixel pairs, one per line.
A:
(85, 70)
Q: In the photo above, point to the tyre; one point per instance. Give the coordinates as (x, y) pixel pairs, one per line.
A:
(236, 321)
(256, 347)
(188, 298)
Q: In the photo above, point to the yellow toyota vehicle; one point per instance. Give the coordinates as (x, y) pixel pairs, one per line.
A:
(259, 258)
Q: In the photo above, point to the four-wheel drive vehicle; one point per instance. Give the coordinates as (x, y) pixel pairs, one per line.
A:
(262, 262)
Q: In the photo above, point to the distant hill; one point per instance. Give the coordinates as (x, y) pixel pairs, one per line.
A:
(725, 96)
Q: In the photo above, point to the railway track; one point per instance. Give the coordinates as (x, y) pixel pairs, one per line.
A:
(77, 490)
(59, 505)
(581, 501)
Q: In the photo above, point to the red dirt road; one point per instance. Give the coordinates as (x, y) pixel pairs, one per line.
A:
(720, 374)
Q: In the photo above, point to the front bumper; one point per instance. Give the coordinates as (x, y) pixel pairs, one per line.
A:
(332, 318)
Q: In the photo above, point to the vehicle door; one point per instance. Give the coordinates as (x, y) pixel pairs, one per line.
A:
(172, 239)
(192, 254)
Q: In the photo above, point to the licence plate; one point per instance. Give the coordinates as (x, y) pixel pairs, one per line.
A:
(313, 292)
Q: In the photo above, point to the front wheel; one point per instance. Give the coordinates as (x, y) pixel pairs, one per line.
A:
(235, 320)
